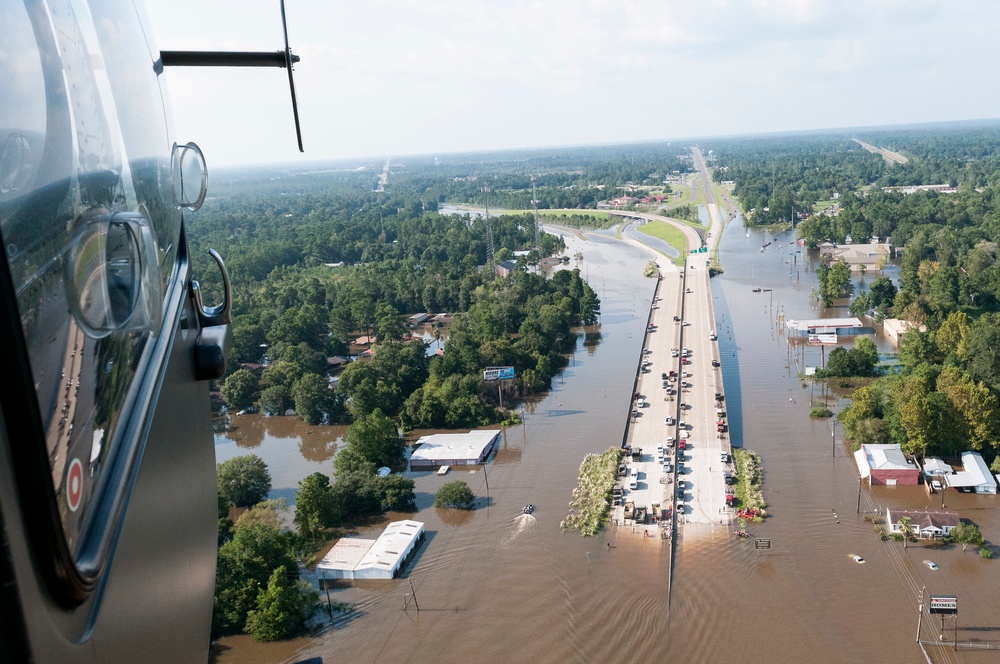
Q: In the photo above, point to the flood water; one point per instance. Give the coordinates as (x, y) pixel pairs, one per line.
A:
(497, 586)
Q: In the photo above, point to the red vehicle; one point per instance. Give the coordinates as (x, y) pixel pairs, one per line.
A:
(720, 426)
(682, 444)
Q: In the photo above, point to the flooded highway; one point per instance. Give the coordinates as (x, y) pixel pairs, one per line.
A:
(497, 586)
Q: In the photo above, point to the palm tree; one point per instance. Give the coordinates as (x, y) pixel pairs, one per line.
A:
(906, 529)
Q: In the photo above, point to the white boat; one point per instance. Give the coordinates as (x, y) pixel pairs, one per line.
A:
(443, 470)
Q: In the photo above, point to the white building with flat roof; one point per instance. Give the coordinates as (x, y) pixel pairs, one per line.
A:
(382, 558)
(453, 449)
(976, 475)
(818, 326)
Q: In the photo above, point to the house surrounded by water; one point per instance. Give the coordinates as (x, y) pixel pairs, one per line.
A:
(453, 449)
(886, 465)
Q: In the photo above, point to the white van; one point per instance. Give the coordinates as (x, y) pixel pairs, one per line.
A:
(633, 482)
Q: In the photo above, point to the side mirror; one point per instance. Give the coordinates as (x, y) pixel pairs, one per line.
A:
(112, 275)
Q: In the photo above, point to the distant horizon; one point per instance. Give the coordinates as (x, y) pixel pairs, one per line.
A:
(393, 77)
(687, 141)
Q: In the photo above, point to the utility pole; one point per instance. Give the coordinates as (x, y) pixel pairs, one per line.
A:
(860, 481)
(833, 437)
(329, 607)
(413, 594)
(534, 204)
(487, 476)
(920, 612)
(489, 235)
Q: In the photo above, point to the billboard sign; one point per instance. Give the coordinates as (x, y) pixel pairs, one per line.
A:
(947, 604)
(762, 543)
(498, 373)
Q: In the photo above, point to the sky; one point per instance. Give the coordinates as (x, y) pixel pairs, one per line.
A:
(391, 78)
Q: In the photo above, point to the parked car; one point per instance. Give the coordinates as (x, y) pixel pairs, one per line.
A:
(936, 485)
(716, 363)
(931, 565)
(671, 421)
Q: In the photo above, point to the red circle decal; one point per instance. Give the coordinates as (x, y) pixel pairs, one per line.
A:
(74, 484)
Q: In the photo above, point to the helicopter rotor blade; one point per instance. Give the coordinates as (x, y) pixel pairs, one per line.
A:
(289, 59)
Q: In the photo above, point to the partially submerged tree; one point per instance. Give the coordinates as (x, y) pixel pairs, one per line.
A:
(906, 529)
(966, 533)
(455, 494)
(244, 480)
(282, 608)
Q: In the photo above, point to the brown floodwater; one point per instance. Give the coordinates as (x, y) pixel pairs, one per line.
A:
(494, 585)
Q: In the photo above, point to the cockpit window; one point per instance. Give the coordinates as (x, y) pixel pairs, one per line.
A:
(90, 235)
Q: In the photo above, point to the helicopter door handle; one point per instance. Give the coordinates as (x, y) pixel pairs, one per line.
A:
(216, 336)
(220, 314)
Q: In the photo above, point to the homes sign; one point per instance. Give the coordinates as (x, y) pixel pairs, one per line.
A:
(947, 604)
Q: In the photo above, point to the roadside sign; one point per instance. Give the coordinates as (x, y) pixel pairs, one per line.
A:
(74, 485)
(947, 604)
(498, 373)
(762, 543)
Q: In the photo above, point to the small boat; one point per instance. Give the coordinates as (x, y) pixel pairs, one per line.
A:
(756, 290)
(528, 509)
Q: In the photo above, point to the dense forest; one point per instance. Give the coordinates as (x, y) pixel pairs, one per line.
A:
(318, 259)
(947, 397)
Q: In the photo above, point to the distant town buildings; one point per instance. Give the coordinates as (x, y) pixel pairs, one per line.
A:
(618, 203)
(505, 268)
(870, 255)
(913, 188)
(896, 328)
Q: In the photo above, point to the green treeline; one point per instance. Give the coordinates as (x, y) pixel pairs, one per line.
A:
(571, 178)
